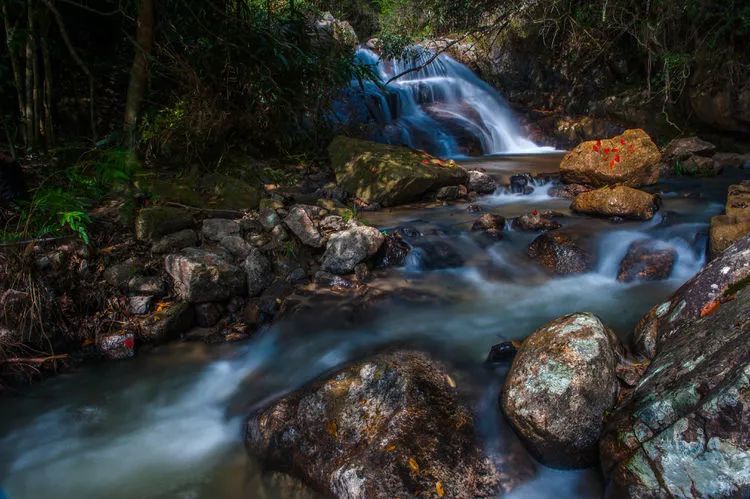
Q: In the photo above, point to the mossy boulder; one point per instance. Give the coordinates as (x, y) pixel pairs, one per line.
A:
(389, 175)
(214, 191)
(619, 201)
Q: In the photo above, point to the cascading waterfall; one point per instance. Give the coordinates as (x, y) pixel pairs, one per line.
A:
(442, 108)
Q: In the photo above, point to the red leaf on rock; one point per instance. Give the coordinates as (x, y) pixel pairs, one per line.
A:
(617, 158)
(128, 342)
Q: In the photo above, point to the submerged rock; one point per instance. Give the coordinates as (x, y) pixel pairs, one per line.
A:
(533, 222)
(438, 254)
(685, 431)
(390, 426)
(392, 252)
(491, 225)
(202, 276)
(559, 388)
(389, 175)
(647, 261)
(521, 184)
(559, 252)
(350, 247)
(567, 191)
(620, 201)
(631, 159)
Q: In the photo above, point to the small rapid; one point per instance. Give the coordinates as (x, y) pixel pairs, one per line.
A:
(441, 107)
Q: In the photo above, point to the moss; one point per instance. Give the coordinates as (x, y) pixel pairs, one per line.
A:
(736, 287)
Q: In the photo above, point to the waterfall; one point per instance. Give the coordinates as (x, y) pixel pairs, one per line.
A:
(442, 108)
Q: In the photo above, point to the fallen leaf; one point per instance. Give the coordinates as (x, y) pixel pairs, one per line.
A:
(451, 381)
(413, 465)
(391, 447)
(439, 489)
(709, 308)
(332, 429)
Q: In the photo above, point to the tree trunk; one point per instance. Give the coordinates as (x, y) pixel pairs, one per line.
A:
(139, 70)
(35, 91)
(29, 112)
(16, 68)
(49, 130)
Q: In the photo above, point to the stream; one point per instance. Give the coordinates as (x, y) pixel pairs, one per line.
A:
(169, 422)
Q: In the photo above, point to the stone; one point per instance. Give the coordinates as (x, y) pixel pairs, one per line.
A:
(258, 272)
(208, 314)
(119, 275)
(155, 222)
(116, 346)
(683, 148)
(328, 280)
(167, 322)
(331, 224)
(481, 183)
(717, 281)
(685, 430)
(176, 241)
(147, 286)
(389, 426)
(725, 229)
(619, 201)
(521, 183)
(451, 193)
(201, 276)
(534, 222)
(561, 385)
(567, 191)
(215, 229)
(503, 352)
(269, 218)
(238, 247)
(732, 160)
(560, 253)
(696, 166)
(631, 159)
(439, 254)
(302, 226)
(490, 225)
(140, 305)
(350, 247)
(392, 252)
(389, 175)
(647, 260)
(362, 272)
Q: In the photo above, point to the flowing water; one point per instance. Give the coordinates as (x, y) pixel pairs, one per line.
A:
(442, 108)
(168, 423)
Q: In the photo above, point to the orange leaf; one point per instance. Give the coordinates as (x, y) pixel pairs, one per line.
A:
(413, 465)
(439, 489)
(332, 429)
(391, 447)
(709, 308)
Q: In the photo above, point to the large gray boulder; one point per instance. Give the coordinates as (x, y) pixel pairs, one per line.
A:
(201, 276)
(390, 426)
(560, 386)
(350, 247)
(301, 224)
(258, 271)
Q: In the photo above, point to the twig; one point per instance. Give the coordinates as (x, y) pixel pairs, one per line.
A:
(34, 360)
(38, 240)
(212, 210)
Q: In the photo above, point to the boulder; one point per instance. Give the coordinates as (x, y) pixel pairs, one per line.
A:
(726, 229)
(202, 276)
(451, 193)
(647, 260)
(175, 242)
(560, 253)
(619, 201)
(168, 322)
(481, 183)
(155, 222)
(216, 229)
(696, 166)
(567, 191)
(392, 252)
(521, 183)
(350, 247)
(439, 254)
(258, 271)
(685, 430)
(561, 384)
(390, 426)
(695, 299)
(389, 175)
(491, 225)
(720, 97)
(299, 222)
(683, 148)
(631, 159)
(534, 222)
(238, 247)
(733, 160)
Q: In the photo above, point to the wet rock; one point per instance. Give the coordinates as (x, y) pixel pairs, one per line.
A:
(389, 426)
(279, 235)
(175, 242)
(732, 160)
(567, 191)
(474, 208)
(140, 305)
(392, 252)
(534, 222)
(167, 323)
(685, 431)
(155, 222)
(434, 255)
(559, 388)
(274, 295)
(619, 201)
(202, 276)
(362, 271)
(451, 193)
(631, 159)
(116, 346)
(647, 260)
(481, 183)
(258, 271)
(699, 297)
(491, 225)
(269, 218)
(683, 148)
(119, 275)
(299, 222)
(559, 252)
(389, 175)
(148, 286)
(503, 352)
(350, 247)
(208, 314)
(238, 247)
(726, 229)
(328, 280)
(696, 166)
(216, 229)
(332, 224)
(521, 184)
